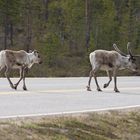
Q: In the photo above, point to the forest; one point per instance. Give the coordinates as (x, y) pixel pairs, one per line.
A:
(66, 31)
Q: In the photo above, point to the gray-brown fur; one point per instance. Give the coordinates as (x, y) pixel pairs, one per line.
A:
(18, 60)
(107, 58)
(15, 58)
(111, 62)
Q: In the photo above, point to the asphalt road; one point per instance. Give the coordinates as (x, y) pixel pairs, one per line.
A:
(49, 96)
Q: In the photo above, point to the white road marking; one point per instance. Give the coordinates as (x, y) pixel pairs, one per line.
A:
(69, 112)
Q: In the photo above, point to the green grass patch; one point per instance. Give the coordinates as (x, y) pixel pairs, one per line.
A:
(111, 125)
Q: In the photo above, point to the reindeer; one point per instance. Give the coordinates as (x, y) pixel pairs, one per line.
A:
(21, 60)
(111, 62)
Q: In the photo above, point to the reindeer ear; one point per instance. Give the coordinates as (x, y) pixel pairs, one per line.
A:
(35, 52)
(30, 51)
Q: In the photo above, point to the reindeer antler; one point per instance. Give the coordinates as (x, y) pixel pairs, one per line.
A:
(129, 50)
(118, 50)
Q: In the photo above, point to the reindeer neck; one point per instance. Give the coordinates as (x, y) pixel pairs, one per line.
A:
(31, 57)
(124, 61)
(30, 60)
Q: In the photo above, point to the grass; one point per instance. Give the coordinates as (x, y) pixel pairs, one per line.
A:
(111, 125)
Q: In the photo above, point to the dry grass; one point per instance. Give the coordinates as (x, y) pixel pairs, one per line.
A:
(114, 125)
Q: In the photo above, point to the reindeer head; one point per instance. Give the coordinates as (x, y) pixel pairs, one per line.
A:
(37, 58)
(130, 60)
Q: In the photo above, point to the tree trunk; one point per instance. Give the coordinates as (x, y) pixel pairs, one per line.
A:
(29, 27)
(11, 33)
(87, 18)
(46, 2)
(6, 25)
(5, 34)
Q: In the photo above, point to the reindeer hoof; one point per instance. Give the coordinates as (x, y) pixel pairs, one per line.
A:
(15, 87)
(24, 88)
(88, 88)
(116, 90)
(99, 89)
(105, 85)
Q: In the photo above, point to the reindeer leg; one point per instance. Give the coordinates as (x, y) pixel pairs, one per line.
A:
(115, 82)
(90, 77)
(24, 85)
(98, 88)
(21, 77)
(93, 73)
(110, 79)
(7, 76)
(95, 78)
